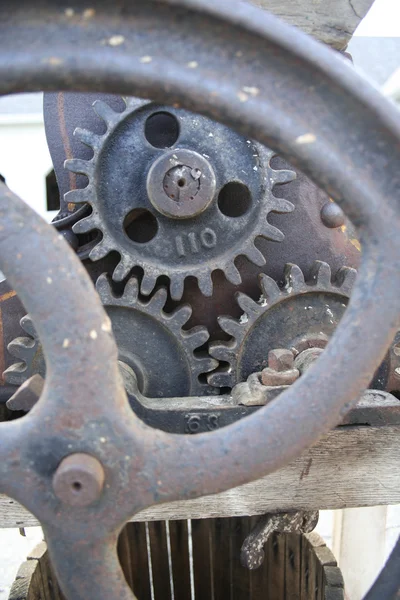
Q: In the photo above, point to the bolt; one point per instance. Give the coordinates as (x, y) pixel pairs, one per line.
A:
(272, 378)
(332, 215)
(280, 359)
(397, 373)
(78, 480)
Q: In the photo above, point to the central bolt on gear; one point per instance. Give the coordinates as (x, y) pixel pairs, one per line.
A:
(182, 202)
(282, 318)
(181, 372)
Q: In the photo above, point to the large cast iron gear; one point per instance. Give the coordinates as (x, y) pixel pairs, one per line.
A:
(184, 205)
(280, 319)
(163, 360)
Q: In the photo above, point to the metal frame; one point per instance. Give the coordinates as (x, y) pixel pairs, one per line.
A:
(273, 84)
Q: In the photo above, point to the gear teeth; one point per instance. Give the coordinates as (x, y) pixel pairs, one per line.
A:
(79, 197)
(223, 352)
(182, 315)
(103, 288)
(28, 326)
(221, 379)
(229, 325)
(131, 291)
(345, 279)
(159, 299)
(283, 176)
(88, 138)
(232, 274)
(205, 284)
(21, 348)
(294, 278)
(248, 305)
(98, 252)
(148, 283)
(197, 336)
(272, 233)
(283, 206)
(205, 364)
(269, 287)
(321, 273)
(105, 112)
(85, 225)
(122, 269)
(176, 288)
(77, 165)
(254, 255)
(16, 374)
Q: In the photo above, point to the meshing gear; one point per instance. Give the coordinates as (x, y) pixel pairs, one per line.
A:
(144, 333)
(181, 204)
(280, 319)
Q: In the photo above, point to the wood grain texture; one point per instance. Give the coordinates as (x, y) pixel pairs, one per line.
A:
(349, 467)
(332, 22)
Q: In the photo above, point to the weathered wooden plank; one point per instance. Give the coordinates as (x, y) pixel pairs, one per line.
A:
(332, 22)
(349, 467)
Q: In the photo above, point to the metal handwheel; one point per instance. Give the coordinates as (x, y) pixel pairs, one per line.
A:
(81, 461)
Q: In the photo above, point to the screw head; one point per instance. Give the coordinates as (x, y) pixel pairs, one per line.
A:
(79, 480)
(332, 215)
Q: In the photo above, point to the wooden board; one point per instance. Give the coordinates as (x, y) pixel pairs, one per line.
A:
(331, 21)
(349, 467)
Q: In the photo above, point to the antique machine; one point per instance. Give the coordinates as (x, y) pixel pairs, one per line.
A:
(223, 177)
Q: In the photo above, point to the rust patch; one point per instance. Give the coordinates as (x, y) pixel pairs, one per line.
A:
(8, 295)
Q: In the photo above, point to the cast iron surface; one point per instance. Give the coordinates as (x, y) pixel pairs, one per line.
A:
(305, 230)
(143, 332)
(155, 225)
(310, 107)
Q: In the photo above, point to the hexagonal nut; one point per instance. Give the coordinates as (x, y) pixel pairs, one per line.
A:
(270, 377)
(280, 359)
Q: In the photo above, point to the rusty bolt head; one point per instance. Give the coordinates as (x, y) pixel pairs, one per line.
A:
(280, 359)
(79, 480)
(272, 378)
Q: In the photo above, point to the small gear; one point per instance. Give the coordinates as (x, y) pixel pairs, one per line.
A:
(150, 341)
(155, 345)
(282, 318)
(178, 206)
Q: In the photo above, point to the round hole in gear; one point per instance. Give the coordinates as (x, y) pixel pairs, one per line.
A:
(234, 199)
(161, 130)
(140, 225)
